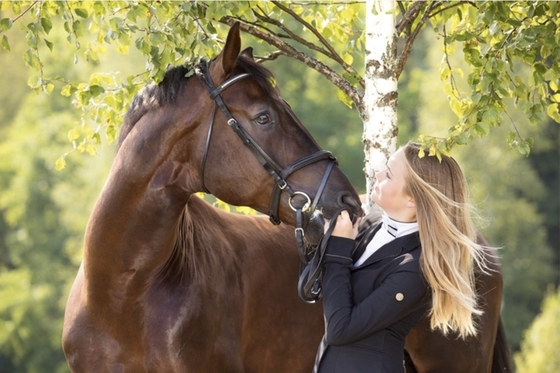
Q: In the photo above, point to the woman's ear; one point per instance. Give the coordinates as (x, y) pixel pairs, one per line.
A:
(410, 203)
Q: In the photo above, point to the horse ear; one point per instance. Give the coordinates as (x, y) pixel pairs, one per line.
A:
(248, 52)
(231, 49)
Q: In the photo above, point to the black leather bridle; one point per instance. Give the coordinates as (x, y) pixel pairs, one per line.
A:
(278, 174)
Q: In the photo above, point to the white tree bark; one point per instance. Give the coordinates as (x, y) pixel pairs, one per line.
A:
(379, 112)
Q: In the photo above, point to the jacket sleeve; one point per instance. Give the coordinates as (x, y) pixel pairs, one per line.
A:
(401, 293)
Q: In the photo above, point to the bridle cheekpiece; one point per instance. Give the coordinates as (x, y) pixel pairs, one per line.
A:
(278, 174)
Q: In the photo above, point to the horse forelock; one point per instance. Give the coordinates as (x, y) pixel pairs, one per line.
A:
(264, 77)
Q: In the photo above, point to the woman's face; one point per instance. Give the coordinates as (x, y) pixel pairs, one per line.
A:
(388, 191)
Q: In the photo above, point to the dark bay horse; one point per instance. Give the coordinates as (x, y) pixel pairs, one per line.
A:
(171, 284)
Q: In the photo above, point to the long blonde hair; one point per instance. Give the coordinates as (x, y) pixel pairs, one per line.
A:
(450, 253)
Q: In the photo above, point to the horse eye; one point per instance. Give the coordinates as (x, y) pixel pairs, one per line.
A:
(263, 119)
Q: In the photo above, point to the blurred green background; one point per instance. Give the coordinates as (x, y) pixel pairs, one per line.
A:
(43, 212)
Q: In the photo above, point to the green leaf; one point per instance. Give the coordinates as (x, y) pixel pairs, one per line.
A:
(550, 74)
(491, 116)
(524, 149)
(80, 12)
(481, 129)
(348, 58)
(111, 133)
(344, 98)
(96, 90)
(48, 88)
(46, 24)
(552, 111)
(79, 28)
(67, 90)
(73, 134)
(5, 44)
(5, 24)
(49, 44)
(34, 81)
(461, 139)
(211, 29)
(60, 164)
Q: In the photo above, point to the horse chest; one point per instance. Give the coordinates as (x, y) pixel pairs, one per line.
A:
(184, 330)
(190, 330)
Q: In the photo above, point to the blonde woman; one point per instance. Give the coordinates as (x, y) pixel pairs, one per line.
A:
(380, 279)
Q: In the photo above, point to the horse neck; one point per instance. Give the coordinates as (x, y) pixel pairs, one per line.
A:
(200, 247)
(150, 182)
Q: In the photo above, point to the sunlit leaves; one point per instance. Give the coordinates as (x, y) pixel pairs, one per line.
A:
(165, 33)
(499, 41)
(496, 39)
(539, 352)
(552, 111)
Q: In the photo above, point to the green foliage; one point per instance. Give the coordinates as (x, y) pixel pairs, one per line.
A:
(35, 234)
(160, 33)
(498, 40)
(539, 348)
(43, 213)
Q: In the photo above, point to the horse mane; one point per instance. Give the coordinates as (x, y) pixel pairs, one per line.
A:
(167, 91)
(199, 227)
(154, 95)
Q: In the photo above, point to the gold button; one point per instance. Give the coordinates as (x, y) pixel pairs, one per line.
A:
(399, 296)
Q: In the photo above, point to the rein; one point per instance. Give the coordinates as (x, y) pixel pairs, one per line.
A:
(311, 271)
(278, 174)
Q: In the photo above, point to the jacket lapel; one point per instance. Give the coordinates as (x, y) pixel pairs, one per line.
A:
(363, 238)
(394, 248)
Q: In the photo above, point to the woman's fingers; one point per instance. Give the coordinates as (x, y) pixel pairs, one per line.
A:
(344, 226)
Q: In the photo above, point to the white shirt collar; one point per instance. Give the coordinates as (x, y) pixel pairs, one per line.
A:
(398, 228)
(389, 230)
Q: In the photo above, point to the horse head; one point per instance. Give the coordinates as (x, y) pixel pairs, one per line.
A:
(281, 162)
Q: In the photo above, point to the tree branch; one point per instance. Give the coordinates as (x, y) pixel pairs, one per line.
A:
(355, 94)
(270, 57)
(330, 52)
(410, 16)
(453, 6)
(333, 54)
(290, 34)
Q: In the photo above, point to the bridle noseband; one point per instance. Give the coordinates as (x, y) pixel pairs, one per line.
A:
(278, 174)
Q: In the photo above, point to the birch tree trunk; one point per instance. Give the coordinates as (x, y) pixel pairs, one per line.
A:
(379, 109)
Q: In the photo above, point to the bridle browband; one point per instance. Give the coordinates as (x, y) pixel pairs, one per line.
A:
(278, 174)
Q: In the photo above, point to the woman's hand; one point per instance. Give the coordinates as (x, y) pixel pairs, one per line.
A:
(344, 227)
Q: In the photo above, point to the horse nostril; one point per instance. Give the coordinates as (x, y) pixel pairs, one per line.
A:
(346, 199)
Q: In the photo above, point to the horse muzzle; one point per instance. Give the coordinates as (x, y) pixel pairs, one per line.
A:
(314, 224)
